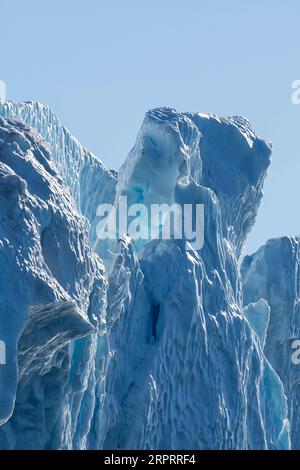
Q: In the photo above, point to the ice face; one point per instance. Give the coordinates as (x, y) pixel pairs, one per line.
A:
(235, 162)
(165, 355)
(88, 180)
(52, 292)
(272, 273)
(198, 350)
(258, 314)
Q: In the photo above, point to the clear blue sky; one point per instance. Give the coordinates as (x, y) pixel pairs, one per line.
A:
(102, 64)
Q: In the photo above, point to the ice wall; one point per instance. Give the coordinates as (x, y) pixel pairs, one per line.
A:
(170, 360)
(89, 181)
(53, 291)
(198, 377)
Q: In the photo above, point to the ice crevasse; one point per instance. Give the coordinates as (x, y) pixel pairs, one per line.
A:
(136, 345)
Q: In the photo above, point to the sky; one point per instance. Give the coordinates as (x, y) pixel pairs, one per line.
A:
(101, 65)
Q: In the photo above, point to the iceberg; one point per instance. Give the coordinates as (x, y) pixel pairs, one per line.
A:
(128, 344)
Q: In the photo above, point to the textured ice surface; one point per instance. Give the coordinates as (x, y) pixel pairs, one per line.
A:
(167, 357)
(272, 273)
(52, 291)
(89, 181)
(258, 315)
(199, 377)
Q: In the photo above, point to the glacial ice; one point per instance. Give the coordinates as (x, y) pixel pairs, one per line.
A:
(155, 350)
(272, 274)
(52, 291)
(89, 181)
(258, 315)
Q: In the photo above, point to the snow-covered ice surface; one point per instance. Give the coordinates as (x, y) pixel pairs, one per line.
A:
(155, 350)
